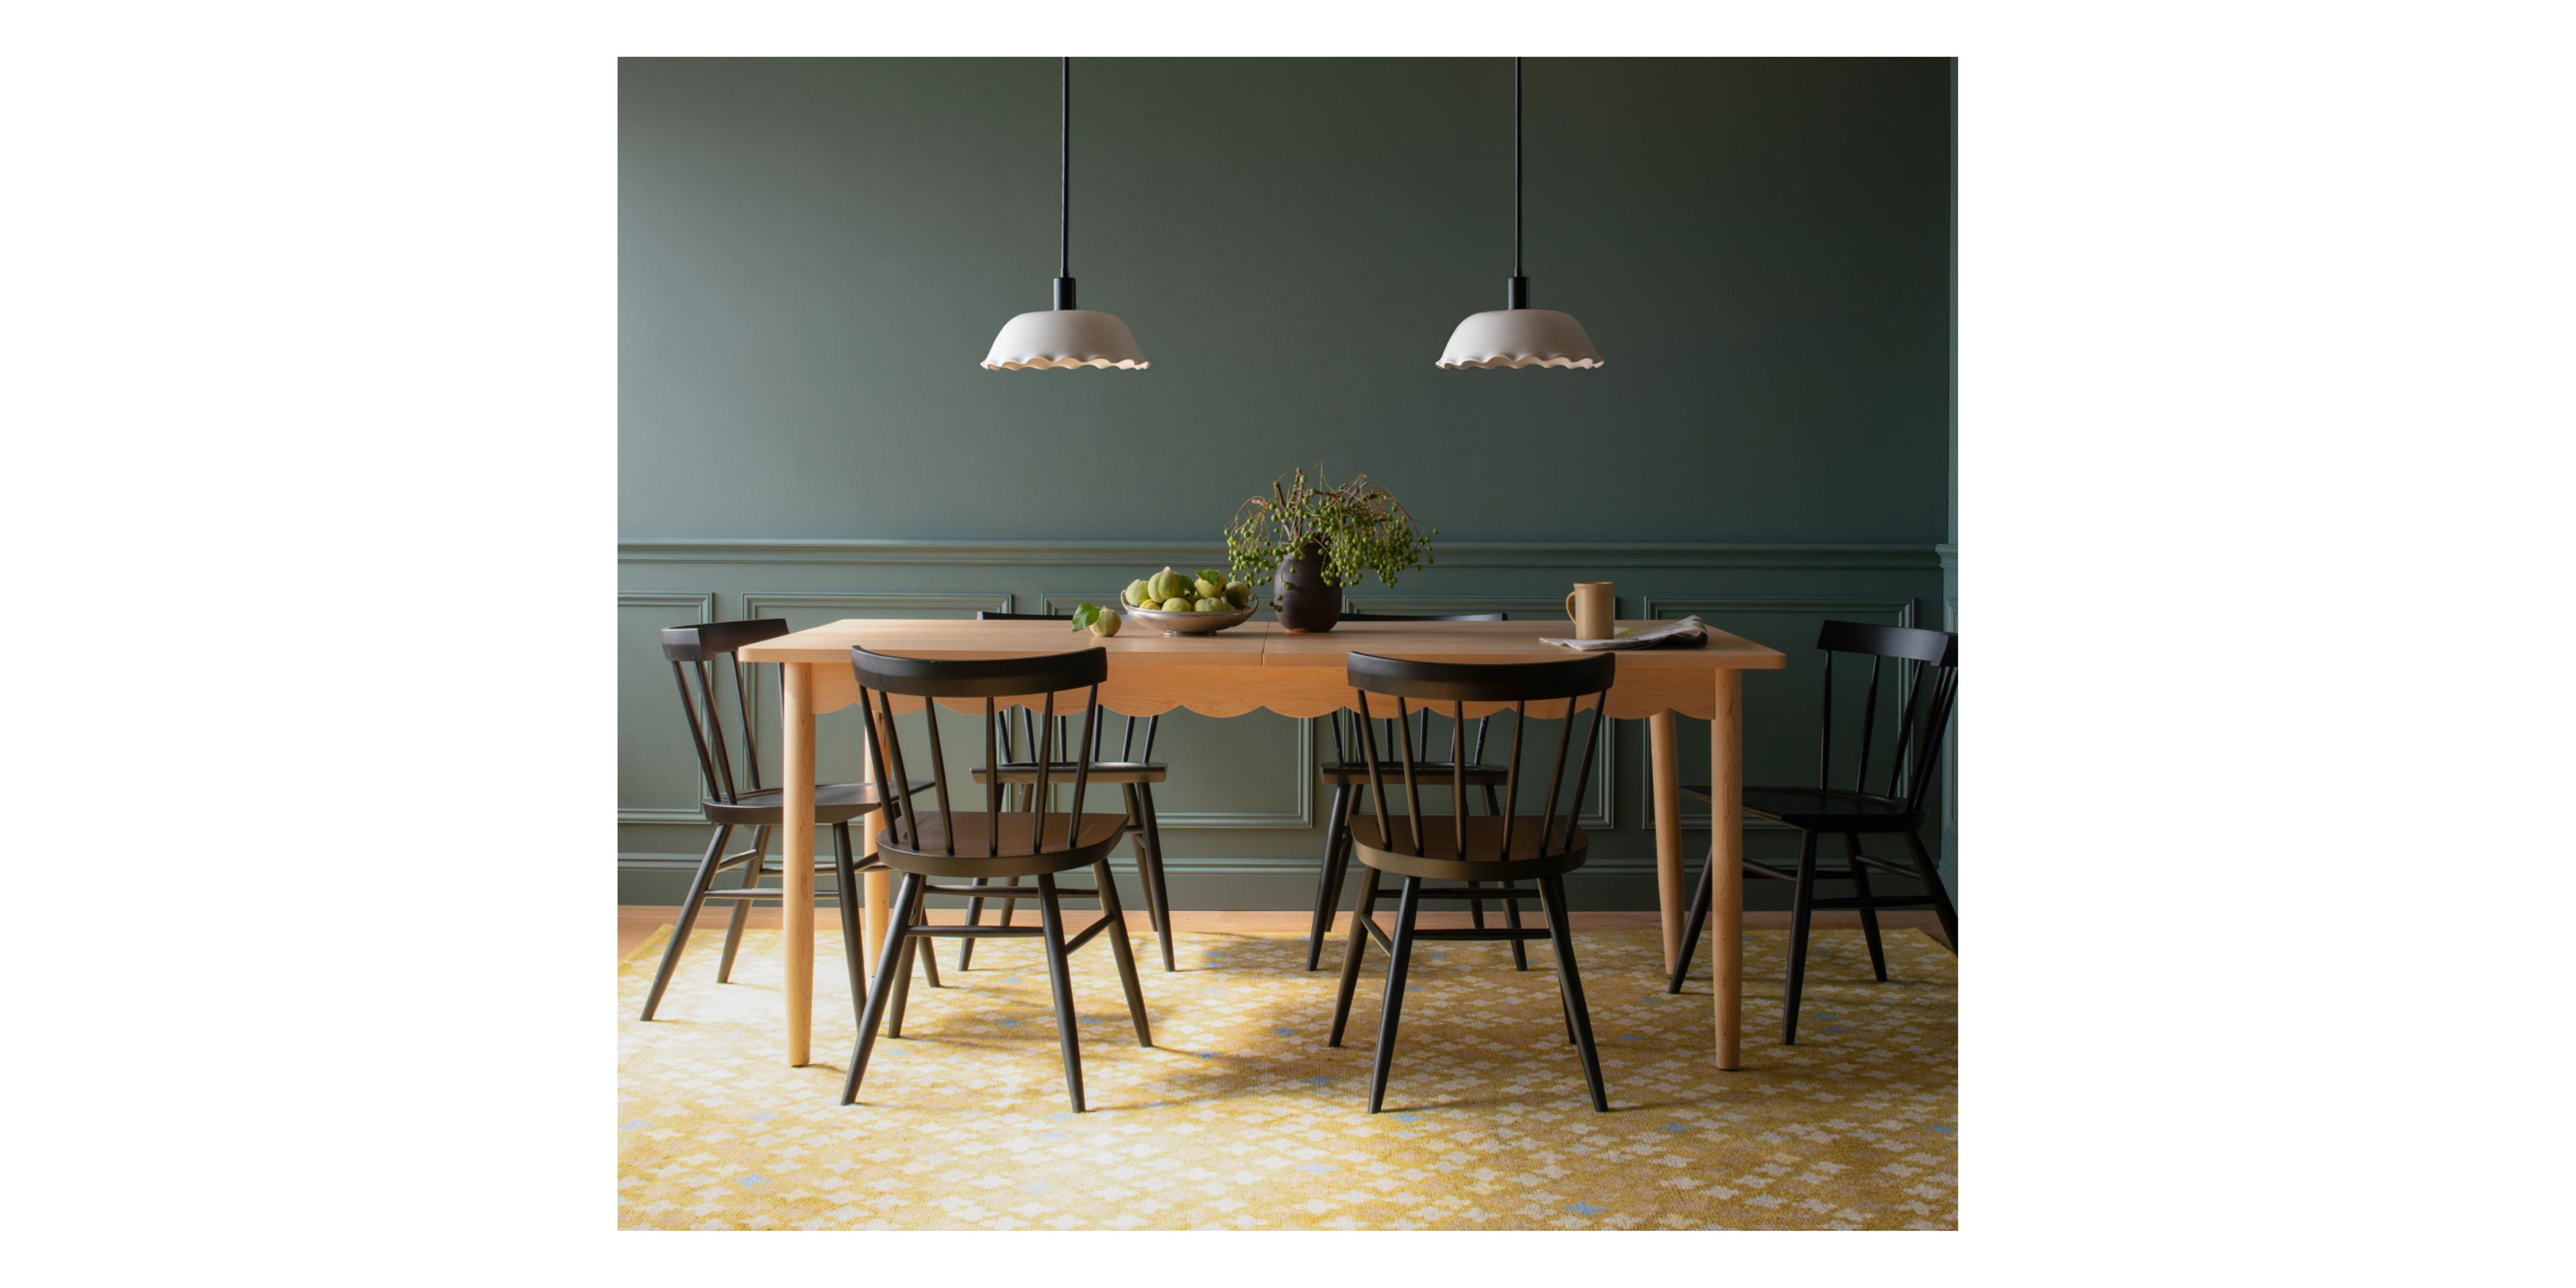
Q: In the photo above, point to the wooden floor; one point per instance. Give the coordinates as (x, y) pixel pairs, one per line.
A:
(636, 922)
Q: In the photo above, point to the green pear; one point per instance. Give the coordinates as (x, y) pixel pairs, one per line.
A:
(1208, 589)
(1210, 606)
(1136, 592)
(1176, 604)
(1167, 584)
(1106, 625)
(1238, 594)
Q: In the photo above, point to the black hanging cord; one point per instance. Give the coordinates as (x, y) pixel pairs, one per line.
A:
(1064, 196)
(1064, 179)
(1516, 288)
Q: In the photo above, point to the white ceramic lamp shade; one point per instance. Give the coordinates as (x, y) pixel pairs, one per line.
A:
(1064, 338)
(1519, 338)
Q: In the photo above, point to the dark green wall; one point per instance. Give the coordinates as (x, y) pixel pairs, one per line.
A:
(815, 254)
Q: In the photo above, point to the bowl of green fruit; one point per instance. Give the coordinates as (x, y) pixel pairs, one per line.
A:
(1177, 603)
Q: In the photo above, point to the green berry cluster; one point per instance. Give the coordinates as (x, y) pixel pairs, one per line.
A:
(1358, 526)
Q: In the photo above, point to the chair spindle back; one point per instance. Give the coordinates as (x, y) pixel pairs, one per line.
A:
(1457, 684)
(1917, 749)
(1027, 731)
(692, 651)
(883, 677)
(1475, 754)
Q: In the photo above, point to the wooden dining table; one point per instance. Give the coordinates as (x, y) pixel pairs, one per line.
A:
(1260, 667)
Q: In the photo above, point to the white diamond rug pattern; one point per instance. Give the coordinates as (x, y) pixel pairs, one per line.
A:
(1241, 1118)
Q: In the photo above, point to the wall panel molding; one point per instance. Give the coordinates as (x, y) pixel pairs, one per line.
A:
(705, 604)
(1265, 847)
(1588, 555)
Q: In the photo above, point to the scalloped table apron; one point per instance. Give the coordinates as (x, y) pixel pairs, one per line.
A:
(1258, 666)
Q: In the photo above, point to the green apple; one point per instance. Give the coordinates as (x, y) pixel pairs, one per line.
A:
(1210, 606)
(1238, 594)
(1176, 604)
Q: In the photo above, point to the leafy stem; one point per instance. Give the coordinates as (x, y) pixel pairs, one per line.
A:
(1356, 526)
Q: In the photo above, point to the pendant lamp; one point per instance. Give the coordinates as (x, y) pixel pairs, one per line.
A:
(1064, 337)
(1517, 335)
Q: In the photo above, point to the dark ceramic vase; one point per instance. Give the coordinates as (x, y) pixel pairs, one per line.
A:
(1305, 602)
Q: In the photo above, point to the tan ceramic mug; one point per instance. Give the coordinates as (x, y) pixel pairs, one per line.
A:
(1589, 606)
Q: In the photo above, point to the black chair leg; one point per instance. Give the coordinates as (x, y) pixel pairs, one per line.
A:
(1930, 873)
(1400, 954)
(929, 952)
(688, 917)
(1010, 904)
(845, 892)
(1362, 908)
(1337, 866)
(1060, 980)
(1511, 907)
(1020, 799)
(1560, 931)
(1322, 920)
(742, 907)
(888, 971)
(1512, 918)
(1124, 951)
(1144, 856)
(1162, 900)
(1702, 900)
(908, 915)
(1800, 915)
(974, 917)
(1564, 1005)
(975, 907)
(1868, 914)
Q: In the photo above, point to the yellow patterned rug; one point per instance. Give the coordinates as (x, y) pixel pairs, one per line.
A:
(1241, 1118)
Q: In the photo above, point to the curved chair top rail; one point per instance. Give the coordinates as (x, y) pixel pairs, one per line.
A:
(695, 649)
(1927, 685)
(1011, 740)
(1361, 615)
(881, 675)
(1483, 681)
(715, 639)
(1459, 683)
(994, 677)
(1910, 643)
(1476, 754)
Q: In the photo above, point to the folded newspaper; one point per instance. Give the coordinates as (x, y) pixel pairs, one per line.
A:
(1689, 632)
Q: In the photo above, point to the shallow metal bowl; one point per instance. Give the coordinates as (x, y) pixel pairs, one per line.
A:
(1186, 623)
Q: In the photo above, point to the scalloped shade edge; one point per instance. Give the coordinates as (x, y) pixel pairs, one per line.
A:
(1063, 339)
(1518, 338)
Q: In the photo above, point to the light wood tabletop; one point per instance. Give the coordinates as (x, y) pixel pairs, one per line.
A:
(1258, 666)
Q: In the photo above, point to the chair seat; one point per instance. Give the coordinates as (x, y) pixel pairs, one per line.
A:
(1014, 855)
(833, 803)
(1425, 773)
(1485, 859)
(1060, 773)
(1817, 810)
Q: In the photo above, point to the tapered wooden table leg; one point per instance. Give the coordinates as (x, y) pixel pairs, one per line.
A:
(1726, 865)
(1662, 736)
(878, 887)
(796, 794)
